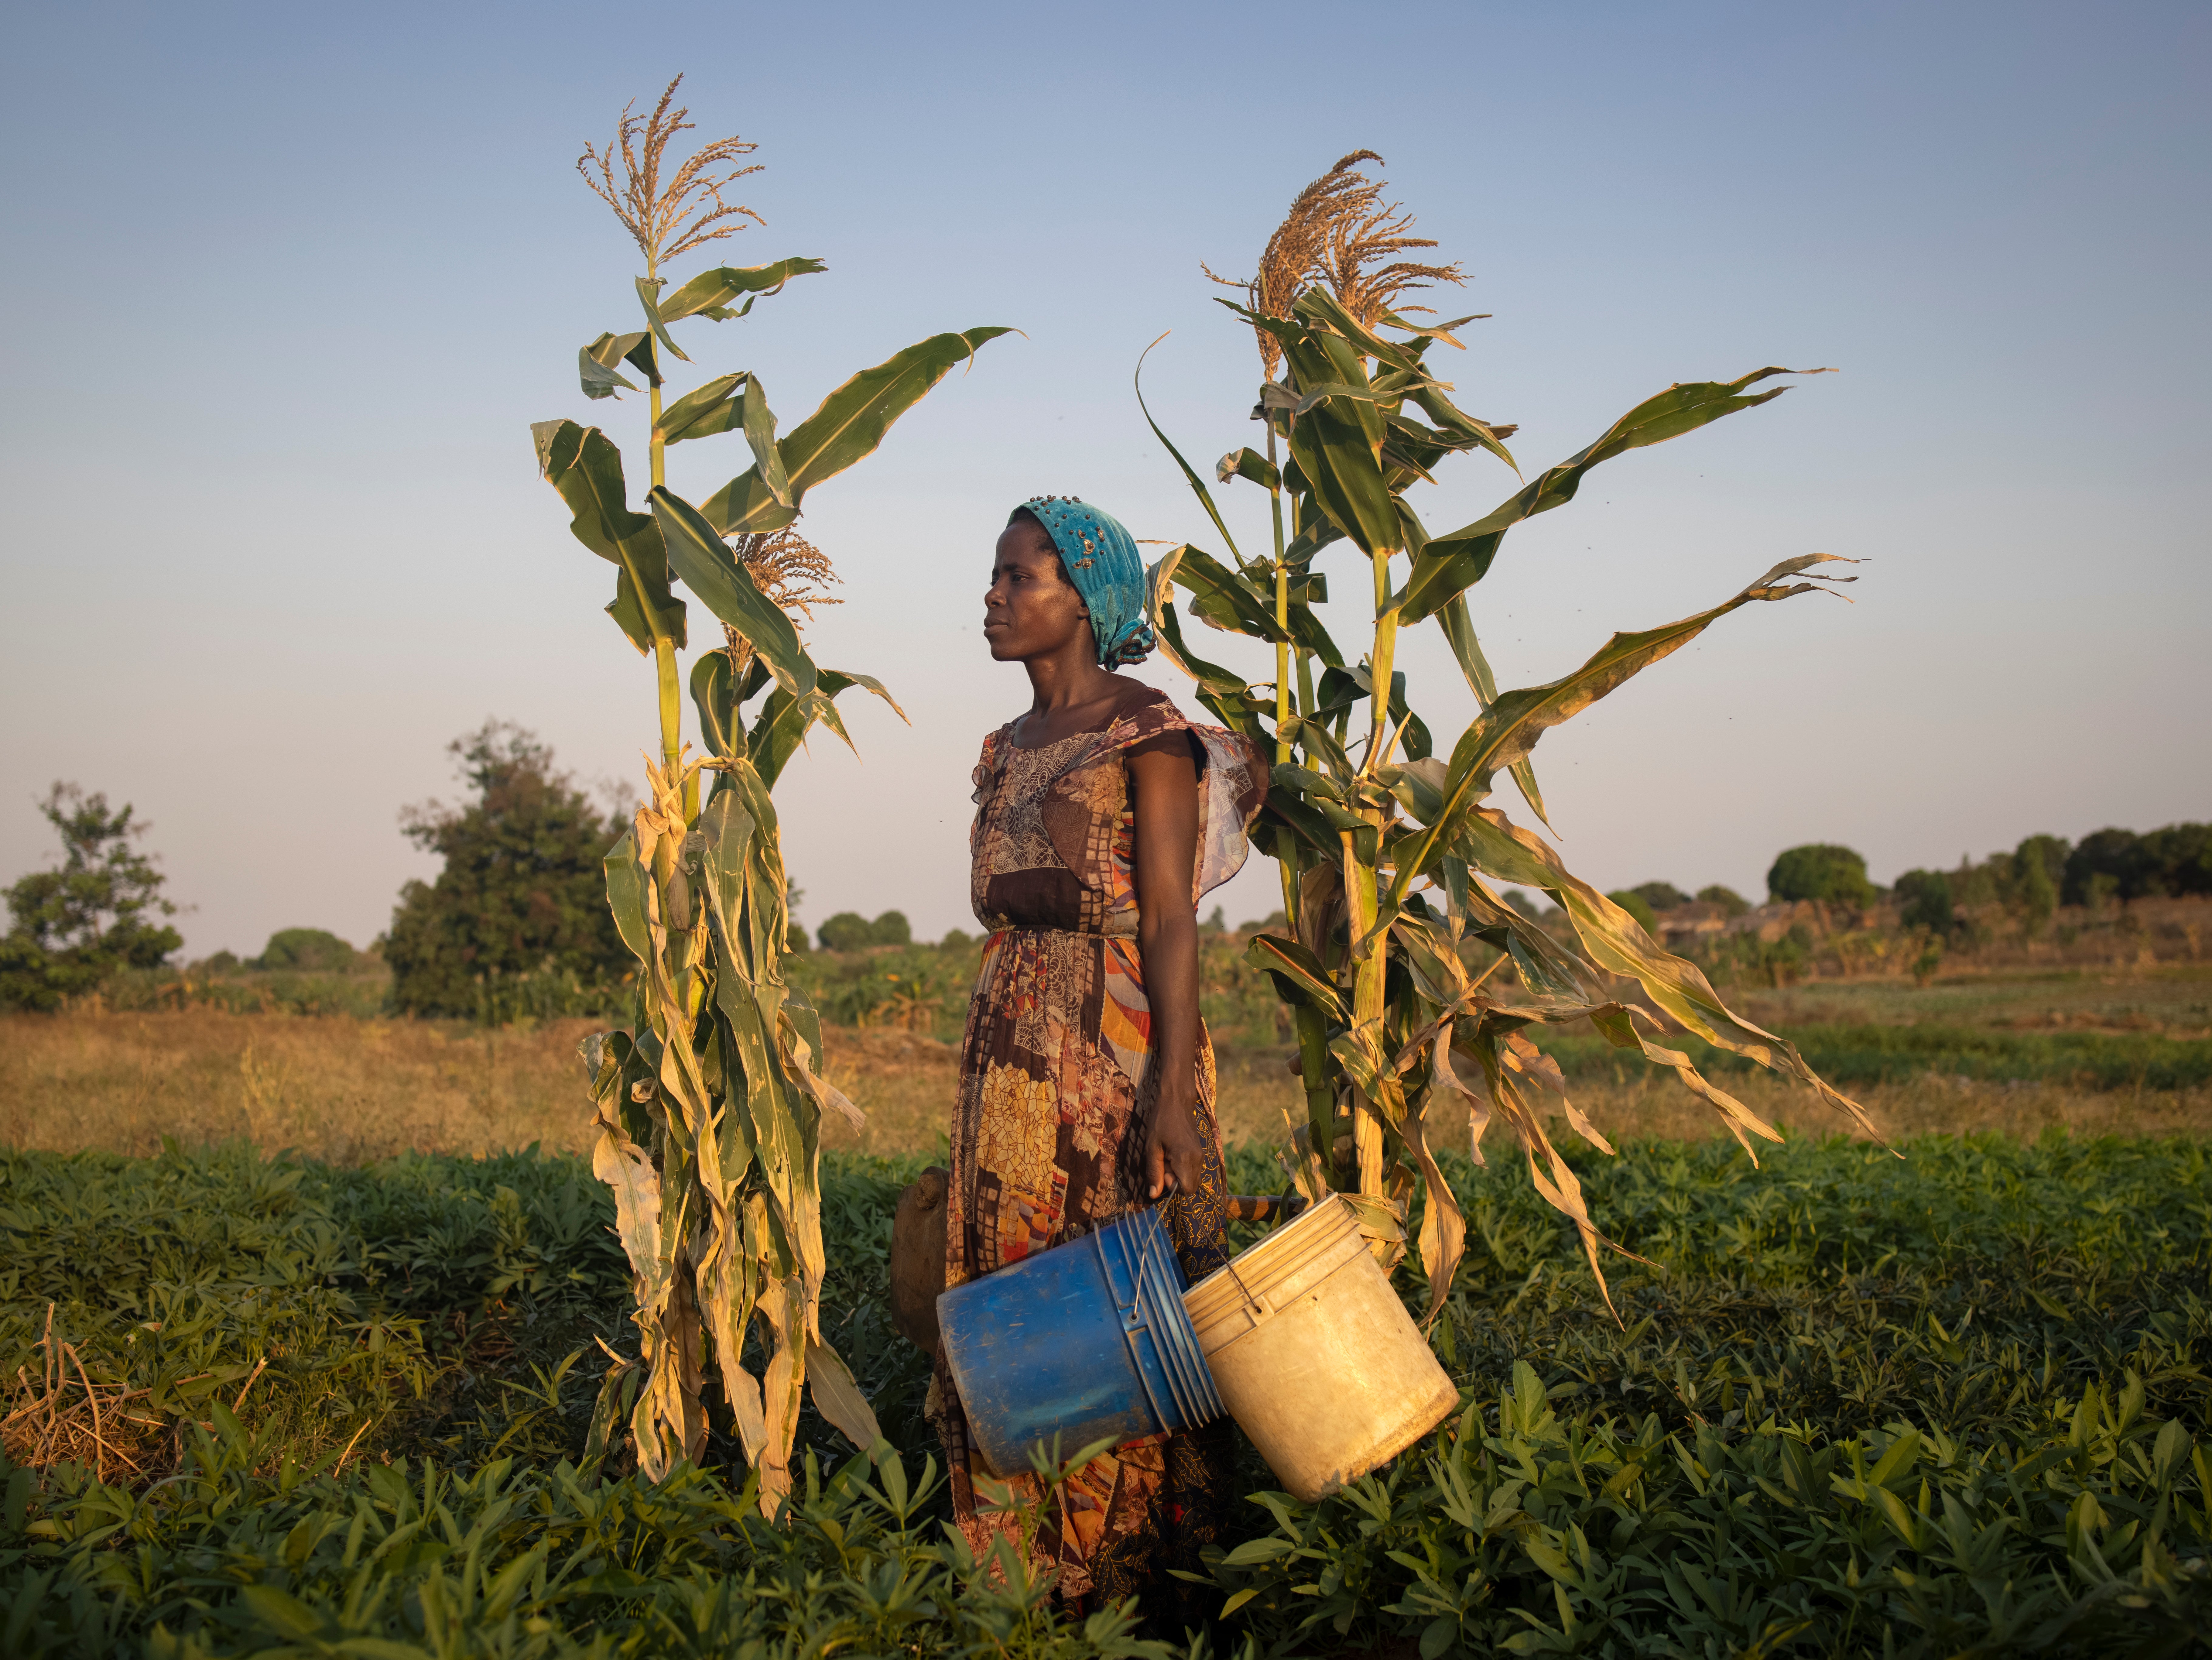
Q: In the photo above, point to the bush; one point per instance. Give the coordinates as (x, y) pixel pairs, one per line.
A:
(1924, 897)
(1732, 903)
(850, 931)
(308, 950)
(520, 906)
(70, 929)
(1821, 870)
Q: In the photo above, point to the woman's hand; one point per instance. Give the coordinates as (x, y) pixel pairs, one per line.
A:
(1172, 1147)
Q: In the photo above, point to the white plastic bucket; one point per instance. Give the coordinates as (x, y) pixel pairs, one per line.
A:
(1314, 1354)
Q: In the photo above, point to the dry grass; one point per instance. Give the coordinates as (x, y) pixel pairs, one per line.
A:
(351, 1090)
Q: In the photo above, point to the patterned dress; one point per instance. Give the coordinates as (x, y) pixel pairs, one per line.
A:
(1056, 1090)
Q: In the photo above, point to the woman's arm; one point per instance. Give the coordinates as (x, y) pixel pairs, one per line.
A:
(1166, 790)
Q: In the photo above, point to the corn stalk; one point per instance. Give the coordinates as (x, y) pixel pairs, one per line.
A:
(709, 1109)
(1388, 848)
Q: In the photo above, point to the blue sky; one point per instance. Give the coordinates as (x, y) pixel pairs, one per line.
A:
(289, 285)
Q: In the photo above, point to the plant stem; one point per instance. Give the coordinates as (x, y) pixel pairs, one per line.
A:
(664, 649)
(1283, 748)
(1313, 1048)
(1361, 906)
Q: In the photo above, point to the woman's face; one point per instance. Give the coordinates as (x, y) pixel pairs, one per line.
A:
(1030, 610)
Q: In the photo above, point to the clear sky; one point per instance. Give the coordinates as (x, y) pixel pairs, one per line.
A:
(288, 284)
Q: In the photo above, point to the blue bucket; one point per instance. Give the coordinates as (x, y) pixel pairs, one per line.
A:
(1088, 1341)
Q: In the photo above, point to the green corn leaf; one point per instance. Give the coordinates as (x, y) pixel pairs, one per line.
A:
(1190, 473)
(586, 468)
(712, 293)
(648, 292)
(1452, 564)
(1460, 429)
(716, 407)
(726, 830)
(1435, 331)
(626, 882)
(1304, 780)
(1247, 464)
(1340, 458)
(848, 425)
(1306, 631)
(760, 437)
(595, 364)
(1318, 304)
(1298, 975)
(713, 694)
(1459, 630)
(1300, 821)
(703, 561)
(1504, 733)
(1211, 677)
(779, 728)
(1224, 598)
(1616, 943)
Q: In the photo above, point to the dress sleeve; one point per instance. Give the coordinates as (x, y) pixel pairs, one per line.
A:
(1232, 783)
(1179, 742)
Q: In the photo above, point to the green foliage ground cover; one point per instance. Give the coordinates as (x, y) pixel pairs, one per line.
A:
(1859, 1405)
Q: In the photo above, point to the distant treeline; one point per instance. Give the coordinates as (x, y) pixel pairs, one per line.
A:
(2032, 880)
(515, 923)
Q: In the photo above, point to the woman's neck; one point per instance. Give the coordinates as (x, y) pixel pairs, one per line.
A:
(1067, 679)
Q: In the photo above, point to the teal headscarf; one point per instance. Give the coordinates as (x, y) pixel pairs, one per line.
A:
(1100, 558)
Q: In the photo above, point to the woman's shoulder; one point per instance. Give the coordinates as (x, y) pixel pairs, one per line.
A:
(1144, 712)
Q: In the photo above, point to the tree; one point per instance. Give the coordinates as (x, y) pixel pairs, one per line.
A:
(1732, 903)
(523, 889)
(1924, 900)
(71, 929)
(2039, 866)
(1661, 895)
(1821, 870)
(2179, 860)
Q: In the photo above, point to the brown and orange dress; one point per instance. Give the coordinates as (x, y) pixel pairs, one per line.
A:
(1056, 1090)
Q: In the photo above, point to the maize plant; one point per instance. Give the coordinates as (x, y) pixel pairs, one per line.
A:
(709, 1108)
(1390, 1022)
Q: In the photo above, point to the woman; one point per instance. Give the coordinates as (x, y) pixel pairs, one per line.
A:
(1086, 1080)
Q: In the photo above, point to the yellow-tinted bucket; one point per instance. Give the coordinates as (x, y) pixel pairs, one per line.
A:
(1314, 1354)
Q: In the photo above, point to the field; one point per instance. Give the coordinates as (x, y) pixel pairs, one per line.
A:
(2088, 1048)
(341, 1400)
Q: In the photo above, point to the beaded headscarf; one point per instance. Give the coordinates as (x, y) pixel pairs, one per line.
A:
(1100, 558)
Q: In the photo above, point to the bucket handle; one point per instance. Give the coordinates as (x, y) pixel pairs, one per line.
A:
(1258, 1307)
